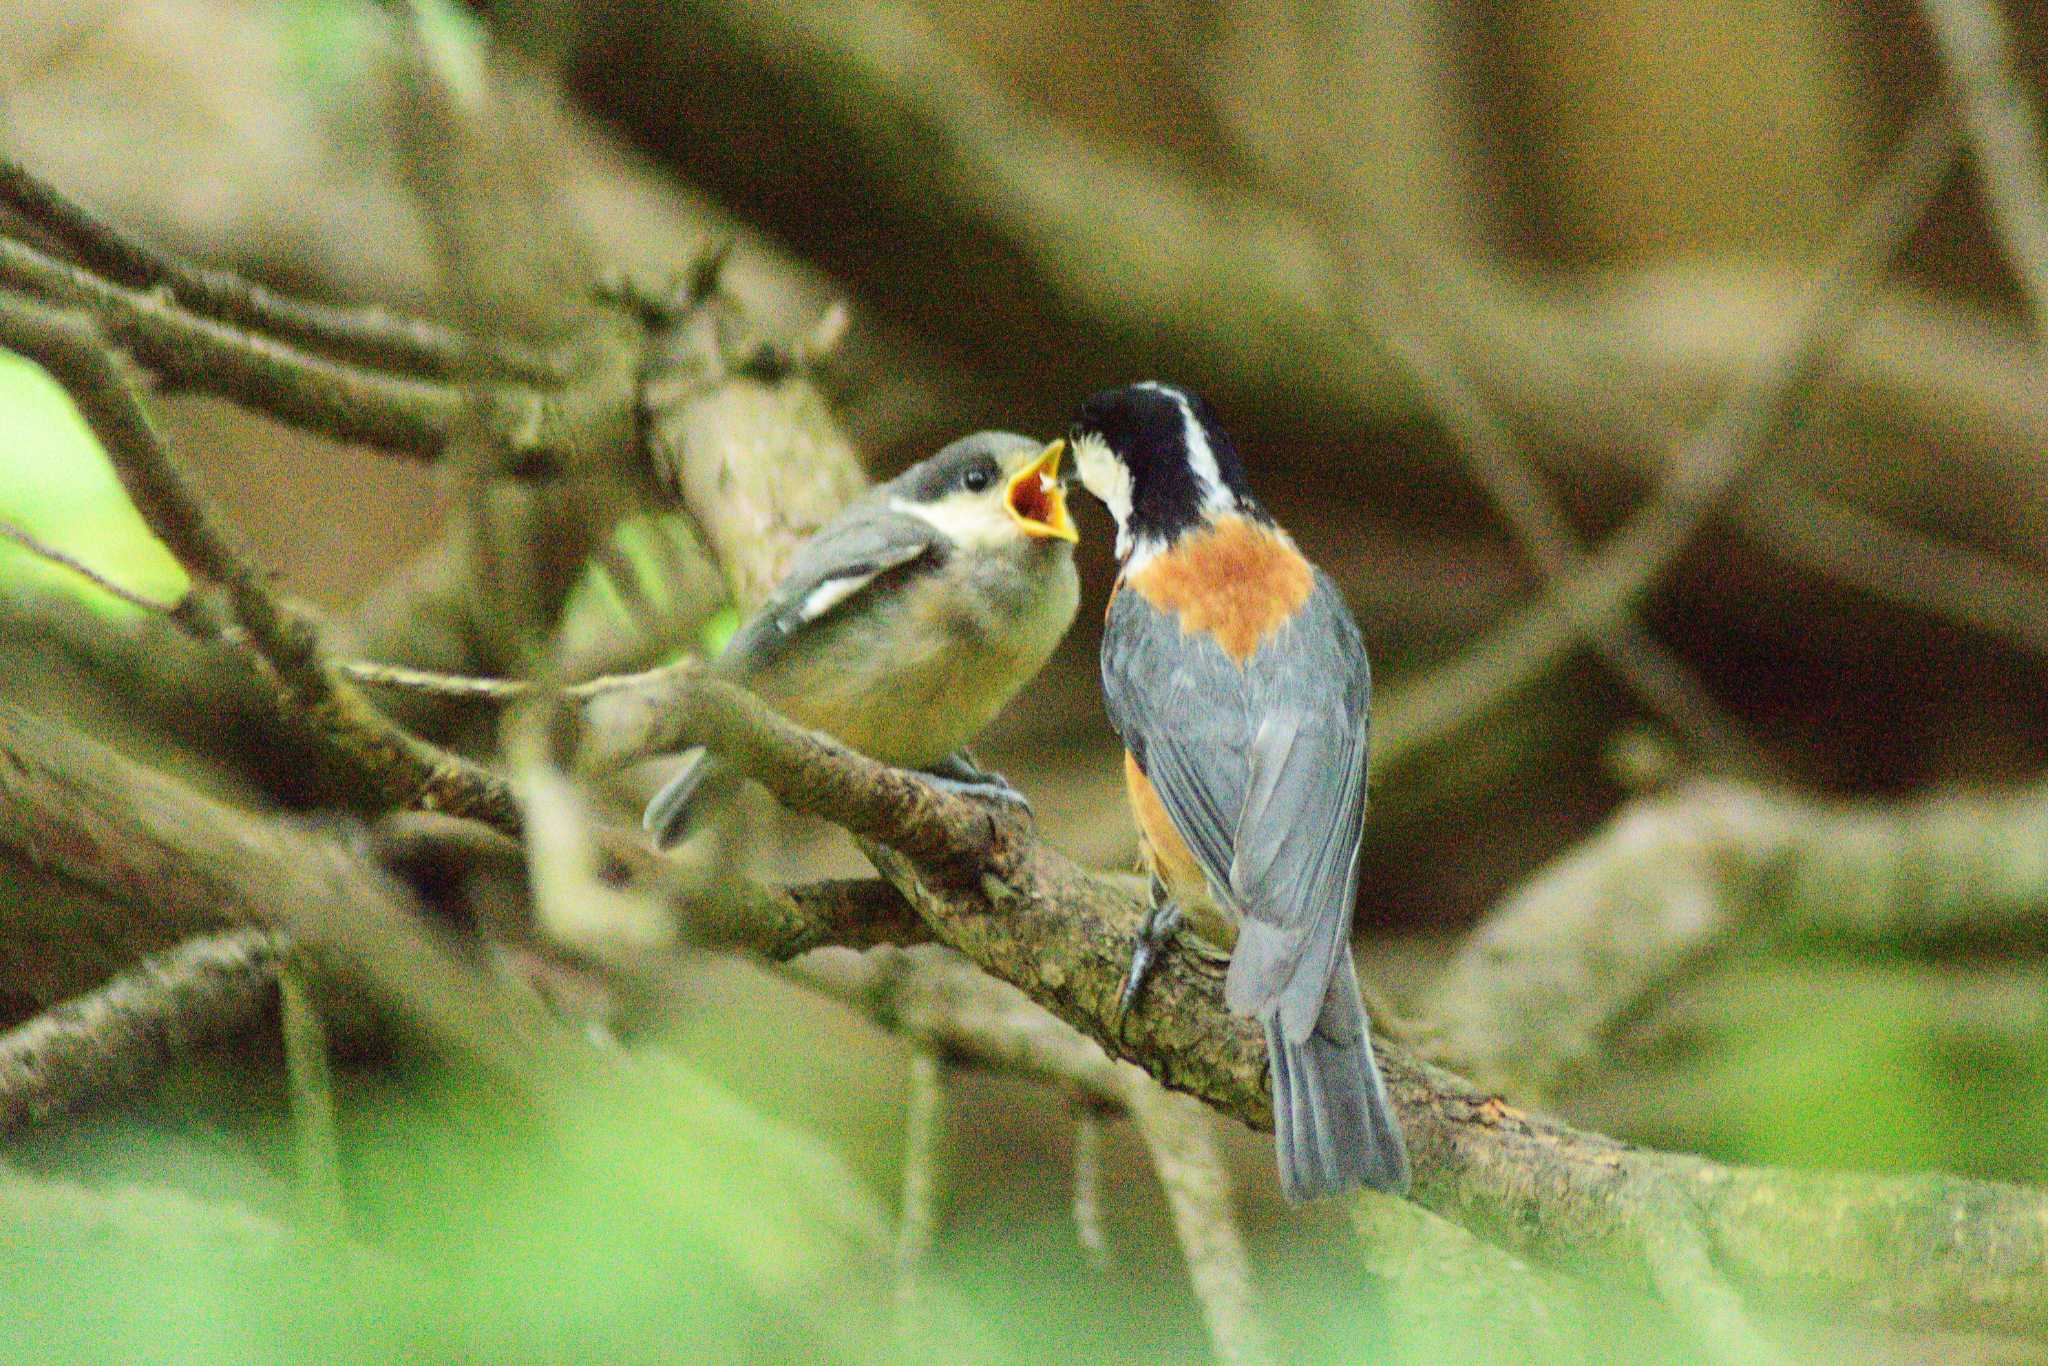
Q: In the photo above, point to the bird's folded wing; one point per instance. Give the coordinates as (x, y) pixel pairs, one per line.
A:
(829, 571)
(1263, 771)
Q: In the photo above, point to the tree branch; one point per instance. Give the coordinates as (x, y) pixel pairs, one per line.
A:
(1531, 994)
(1976, 48)
(1180, 1135)
(917, 1220)
(1883, 1246)
(1890, 1247)
(403, 414)
(1087, 1202)
(369, 335)
(124, 1033)
(398, 768)
(43, 550)
(1531, 514)
(1702, 470)
(1947, 581)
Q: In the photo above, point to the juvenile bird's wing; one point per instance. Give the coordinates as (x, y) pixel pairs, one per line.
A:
(828, 571)
(1263, 770)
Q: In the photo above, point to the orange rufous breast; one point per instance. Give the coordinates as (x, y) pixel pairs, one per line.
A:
(1236, 581)
(1166, 852)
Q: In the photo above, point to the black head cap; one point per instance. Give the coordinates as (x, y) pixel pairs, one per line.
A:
(1182, 466)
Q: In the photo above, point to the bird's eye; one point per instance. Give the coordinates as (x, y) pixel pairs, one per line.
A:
(979, 479)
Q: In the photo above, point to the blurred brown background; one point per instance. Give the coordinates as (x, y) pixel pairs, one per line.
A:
(1608, 205)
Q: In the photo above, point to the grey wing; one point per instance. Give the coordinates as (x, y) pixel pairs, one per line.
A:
(1179, 704)
(1295, 865)
(1264, 773)
(829, 570)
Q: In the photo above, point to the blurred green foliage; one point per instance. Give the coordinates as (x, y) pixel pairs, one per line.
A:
(1868, 1065)
(57, 485)
(667, 1224)
(647, 549)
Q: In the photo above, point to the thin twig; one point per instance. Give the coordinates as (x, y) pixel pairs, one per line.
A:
(369, 335)
(1702, 471)
(43, 550)
(498, 691)
(501, 691)
(2005, 133)
(1950, 582)
(1180, 1134)
(923, 1130)
(1088, 1229)
(310, 1081)
(399, 768)
(112, 1039)
(1532, 515)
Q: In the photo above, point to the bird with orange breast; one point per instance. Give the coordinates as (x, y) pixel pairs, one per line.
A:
(1236, 678)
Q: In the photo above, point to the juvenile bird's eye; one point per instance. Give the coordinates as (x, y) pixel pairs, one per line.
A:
(979, 479)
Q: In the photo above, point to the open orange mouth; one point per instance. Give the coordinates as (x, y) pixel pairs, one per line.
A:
(1038, 501)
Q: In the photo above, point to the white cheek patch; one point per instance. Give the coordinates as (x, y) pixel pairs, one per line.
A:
(970, 521)
(1109, 479)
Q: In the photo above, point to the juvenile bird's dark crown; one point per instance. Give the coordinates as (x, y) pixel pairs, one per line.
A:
(1182, 468)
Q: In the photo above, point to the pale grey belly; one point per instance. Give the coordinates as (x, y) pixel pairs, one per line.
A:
(914, 681)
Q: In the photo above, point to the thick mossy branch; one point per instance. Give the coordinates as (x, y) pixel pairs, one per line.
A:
(988, 888)
(1933, 1247)
(673, 708)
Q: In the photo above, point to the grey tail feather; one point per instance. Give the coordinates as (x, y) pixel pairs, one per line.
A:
(1333, 1126)
(667, 818)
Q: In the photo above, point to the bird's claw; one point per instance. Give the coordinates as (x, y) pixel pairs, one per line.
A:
(995, 788)
(962, 777)
(1162, 922)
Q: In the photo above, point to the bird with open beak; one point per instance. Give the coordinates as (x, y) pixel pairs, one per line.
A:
(1236, 678)
(906, 623)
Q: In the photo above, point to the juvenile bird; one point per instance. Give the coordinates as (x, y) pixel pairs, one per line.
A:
(1236, 678)
(907, 622)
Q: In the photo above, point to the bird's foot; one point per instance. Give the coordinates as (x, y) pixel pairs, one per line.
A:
(1162, 923)
(962, 777)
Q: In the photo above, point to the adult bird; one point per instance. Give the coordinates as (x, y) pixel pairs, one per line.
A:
(905, 624)
(1236, 678)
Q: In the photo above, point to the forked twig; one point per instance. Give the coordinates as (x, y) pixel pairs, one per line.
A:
(1703, 470)
(368, 335)
(398, 767)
